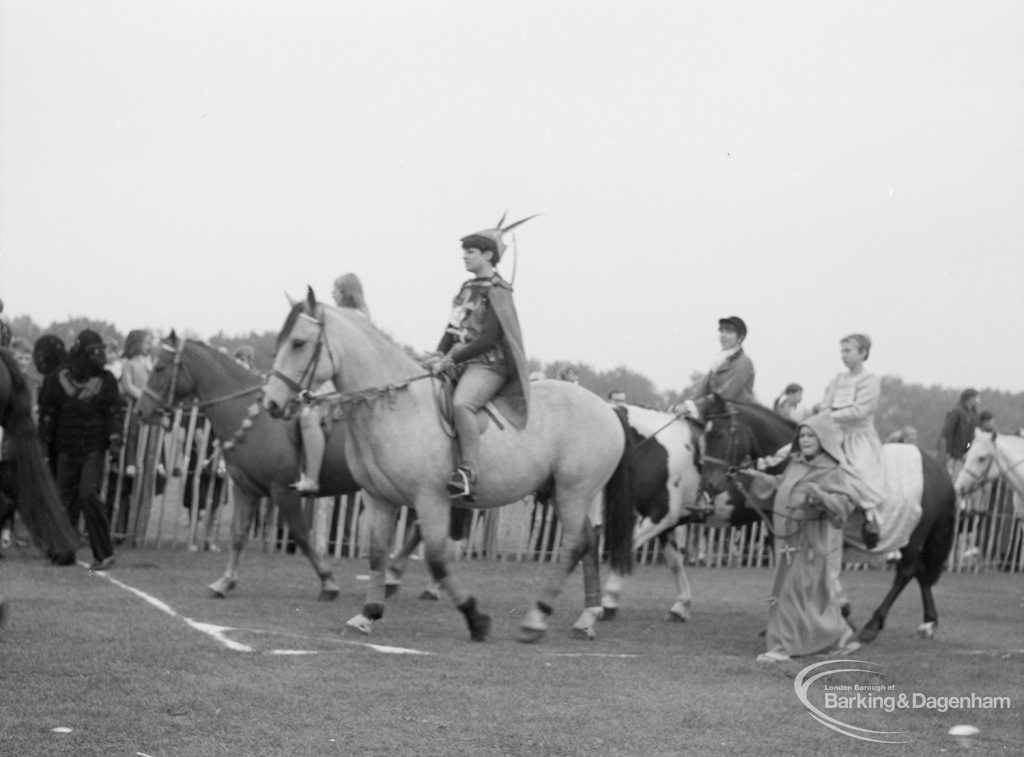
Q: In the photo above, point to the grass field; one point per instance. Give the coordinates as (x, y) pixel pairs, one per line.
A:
(80, 651)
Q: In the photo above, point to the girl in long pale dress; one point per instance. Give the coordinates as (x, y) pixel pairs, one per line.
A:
(812, 500)
(851, 400)
(348, 293)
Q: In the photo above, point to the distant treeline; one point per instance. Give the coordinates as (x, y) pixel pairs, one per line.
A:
(902, 404)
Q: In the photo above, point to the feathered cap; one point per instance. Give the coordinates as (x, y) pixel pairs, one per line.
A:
(491, 239)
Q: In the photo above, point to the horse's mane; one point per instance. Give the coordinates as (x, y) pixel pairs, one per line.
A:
(765, 421)
(372, 329)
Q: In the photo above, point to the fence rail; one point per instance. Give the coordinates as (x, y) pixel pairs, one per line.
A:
(169, 490)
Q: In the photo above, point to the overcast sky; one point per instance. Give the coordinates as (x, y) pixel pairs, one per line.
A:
(814, 167)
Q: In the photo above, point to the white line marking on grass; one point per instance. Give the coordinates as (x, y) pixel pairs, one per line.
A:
(219, 632)
(593, 654)
(1003, 652)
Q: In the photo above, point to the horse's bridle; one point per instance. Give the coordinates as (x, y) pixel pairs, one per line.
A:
(729, 464)
(304, 386)
(167, 404)
(979, 480)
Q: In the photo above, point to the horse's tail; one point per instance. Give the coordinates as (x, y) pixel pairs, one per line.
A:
(35, 491)
(619, 497)
(938, 499)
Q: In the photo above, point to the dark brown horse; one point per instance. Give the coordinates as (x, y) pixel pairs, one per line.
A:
(741, 431)
(26, 482)
(261, 454)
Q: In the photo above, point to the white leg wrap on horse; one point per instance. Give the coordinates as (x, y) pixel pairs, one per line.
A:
(361, 623)
(535, 620)
(391, 578)
(680, 611)
(583, 628)
(926, 630)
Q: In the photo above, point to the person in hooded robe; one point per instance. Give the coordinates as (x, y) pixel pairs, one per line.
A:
(80, 419)
(812, 499)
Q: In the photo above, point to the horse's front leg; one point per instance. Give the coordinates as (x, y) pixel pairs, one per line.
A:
(383, 516)
(290, 505)
(680, 611)
(246, 504)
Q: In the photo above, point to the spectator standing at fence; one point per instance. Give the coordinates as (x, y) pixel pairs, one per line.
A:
(986, 421)
(5, 328)
(114, 363)
(617, 398)
(80, 417)
(958, 431)
(348, 293)
(789, 403)
(49, 354)
(245, 356)
(570, 374)
(22, 352)
(137, 363)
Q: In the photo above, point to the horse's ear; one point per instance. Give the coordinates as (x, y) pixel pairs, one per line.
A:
(291, 303)
(310, 299)
(172, 338)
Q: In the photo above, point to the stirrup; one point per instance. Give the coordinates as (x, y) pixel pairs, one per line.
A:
(461, 484)
(305, 485)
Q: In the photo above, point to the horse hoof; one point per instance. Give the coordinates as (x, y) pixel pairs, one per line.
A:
(391, 590)
(328, 595)
(608, 613)
(430, 595)
(219, 589)
(680, 612)
(926, 631)
(480, 628)
(530, 635)
(582, 634)
(361, 623)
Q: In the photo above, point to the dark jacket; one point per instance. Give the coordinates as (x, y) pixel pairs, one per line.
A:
(733, 380)
(958, 430)
(79, 416)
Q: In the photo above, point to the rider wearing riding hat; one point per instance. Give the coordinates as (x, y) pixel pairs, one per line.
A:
(483, 346)
(731, 376)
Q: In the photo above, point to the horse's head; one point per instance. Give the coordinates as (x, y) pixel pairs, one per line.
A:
(736, 435)
(725, 444)
(168, 382)
(302, 360)
(979, 463)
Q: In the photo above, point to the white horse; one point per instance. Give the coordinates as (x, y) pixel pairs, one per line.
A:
(990, 456)
(396, 444)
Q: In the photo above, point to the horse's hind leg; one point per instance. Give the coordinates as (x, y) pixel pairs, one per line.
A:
(583, 628)
(905, 571)
(290, 505)
(574, 546)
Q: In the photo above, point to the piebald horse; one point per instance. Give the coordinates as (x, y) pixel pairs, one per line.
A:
(742, 431)
(398, 449)
(261, 454)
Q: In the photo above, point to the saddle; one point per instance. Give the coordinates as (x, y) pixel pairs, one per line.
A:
(900, 513)
(499, 410)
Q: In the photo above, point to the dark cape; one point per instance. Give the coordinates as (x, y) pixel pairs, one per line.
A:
(516, 391)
